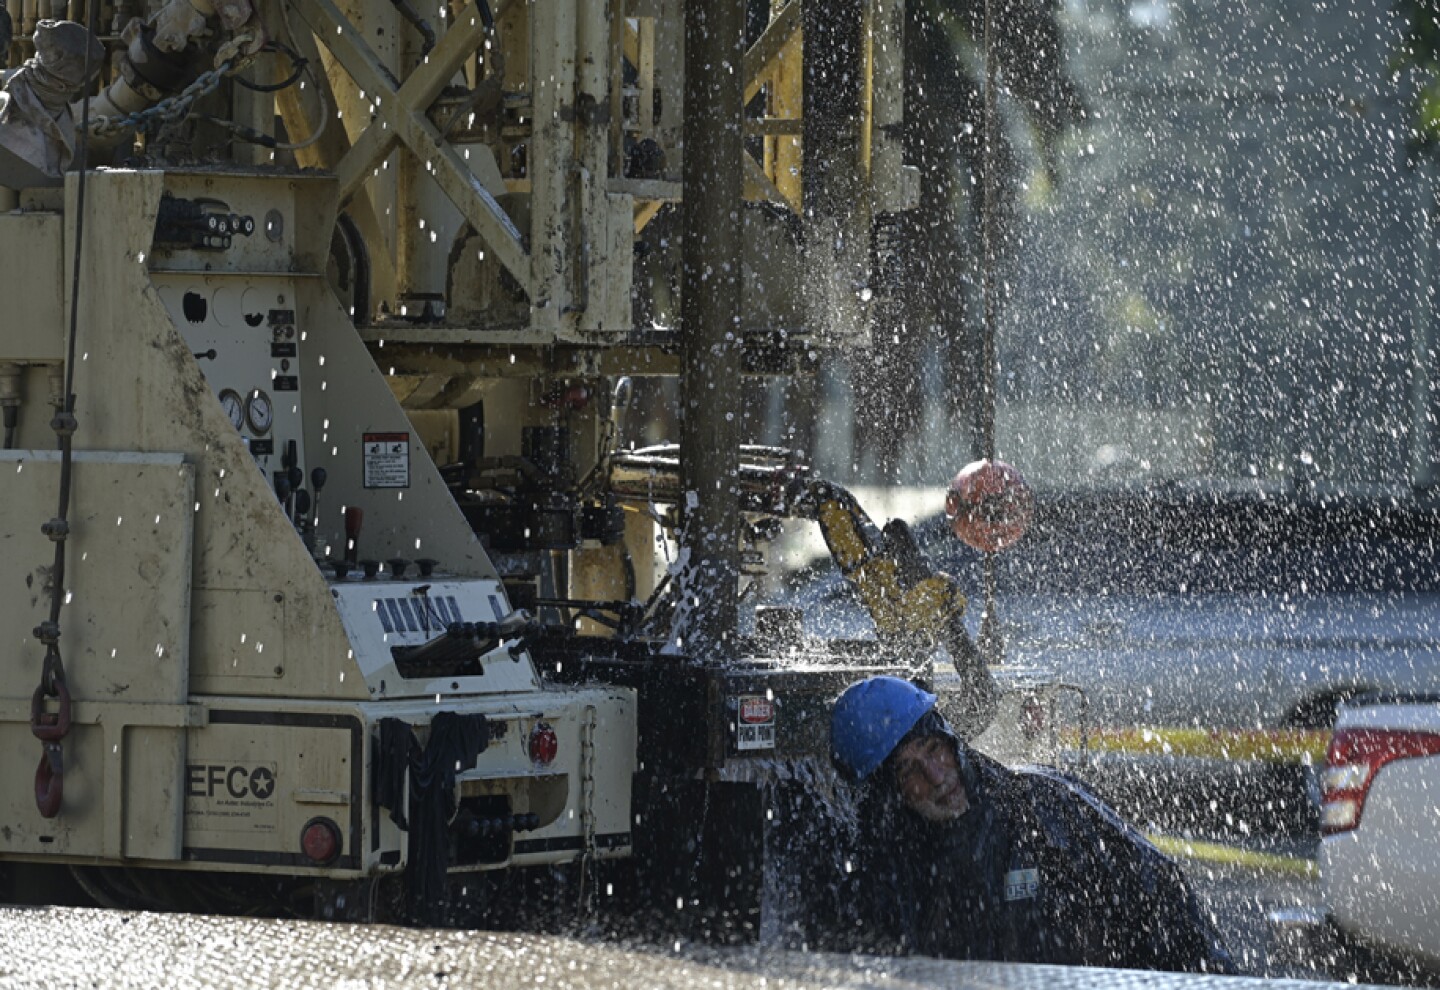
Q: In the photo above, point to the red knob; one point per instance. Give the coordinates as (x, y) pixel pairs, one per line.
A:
(354, 517)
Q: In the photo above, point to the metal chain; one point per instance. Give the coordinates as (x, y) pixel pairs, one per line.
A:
(587, 806)
(168, 110)
(51, 727)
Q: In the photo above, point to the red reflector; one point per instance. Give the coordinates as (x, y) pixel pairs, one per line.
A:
(543, 744)
(1354, 758)
(320, 840)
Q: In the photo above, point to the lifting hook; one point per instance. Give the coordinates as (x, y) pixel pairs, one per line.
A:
(50, 781)
(50, 728)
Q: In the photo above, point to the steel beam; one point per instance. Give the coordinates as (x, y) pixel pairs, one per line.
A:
(769, 45)
(424, 84)
(400, 110)
(711, 342)
(550, 158)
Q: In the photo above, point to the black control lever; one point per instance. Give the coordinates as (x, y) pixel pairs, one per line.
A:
(462, 644)
(317, 482)
(519, 625)
(302, 518)
(290, 477)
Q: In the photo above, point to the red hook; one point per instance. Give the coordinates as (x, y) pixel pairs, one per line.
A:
(50, 728)
(50, 781)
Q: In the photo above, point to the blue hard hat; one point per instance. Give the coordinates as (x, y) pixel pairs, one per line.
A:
(870, 719)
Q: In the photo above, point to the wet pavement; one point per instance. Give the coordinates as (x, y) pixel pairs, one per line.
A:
(1247, 880)
(93, 948)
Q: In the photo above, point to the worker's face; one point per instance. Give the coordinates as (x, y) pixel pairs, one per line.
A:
(929, 778)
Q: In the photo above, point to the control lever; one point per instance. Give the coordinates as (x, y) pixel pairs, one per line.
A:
(354, 519)
(282, 489)
(302, 518)
(294, 477)
(519, 626)
(317, 482)
(462, 644)
(518, 623)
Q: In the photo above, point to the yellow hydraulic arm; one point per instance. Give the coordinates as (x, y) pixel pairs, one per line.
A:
(914, 607)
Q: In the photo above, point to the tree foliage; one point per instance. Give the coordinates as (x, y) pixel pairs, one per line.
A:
(1419, 49)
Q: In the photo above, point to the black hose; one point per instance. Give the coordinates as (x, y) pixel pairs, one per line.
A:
(360, 278)
(65, 419)
(297, 66)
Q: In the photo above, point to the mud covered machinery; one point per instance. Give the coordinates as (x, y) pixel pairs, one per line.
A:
(326, 580)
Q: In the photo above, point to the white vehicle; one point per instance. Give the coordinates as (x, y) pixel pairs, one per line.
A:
(1379, 862)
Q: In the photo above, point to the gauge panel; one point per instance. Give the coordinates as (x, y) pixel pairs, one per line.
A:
(234, 407)
(248, 322)
(259, 412)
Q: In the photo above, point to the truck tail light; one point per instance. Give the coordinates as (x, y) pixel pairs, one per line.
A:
(1354, 758)
(544, 744)
(320, 841)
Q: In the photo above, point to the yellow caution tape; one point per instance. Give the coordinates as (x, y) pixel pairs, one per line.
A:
(1223, 855)
(1270, 745)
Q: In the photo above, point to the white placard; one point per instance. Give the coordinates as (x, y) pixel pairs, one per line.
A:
(387, 460)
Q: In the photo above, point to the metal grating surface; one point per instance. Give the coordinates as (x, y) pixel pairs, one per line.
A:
(69, 947)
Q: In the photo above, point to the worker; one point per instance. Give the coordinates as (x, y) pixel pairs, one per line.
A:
(963, 858)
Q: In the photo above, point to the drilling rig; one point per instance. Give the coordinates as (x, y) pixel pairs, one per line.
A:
(327, 577)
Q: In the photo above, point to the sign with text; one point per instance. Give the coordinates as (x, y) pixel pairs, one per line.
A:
(387, 460)
(231, 797)
(754, 722)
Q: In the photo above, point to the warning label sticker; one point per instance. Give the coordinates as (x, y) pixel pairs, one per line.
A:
(238, 797)
(387, 460)
(755, 722)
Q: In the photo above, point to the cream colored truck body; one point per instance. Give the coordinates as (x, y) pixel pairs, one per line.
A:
(226, 687)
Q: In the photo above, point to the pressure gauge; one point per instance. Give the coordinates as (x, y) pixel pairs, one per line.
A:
(259, 412)
(234, 407)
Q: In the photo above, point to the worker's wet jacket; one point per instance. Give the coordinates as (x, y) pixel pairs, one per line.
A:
(1038, 870)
